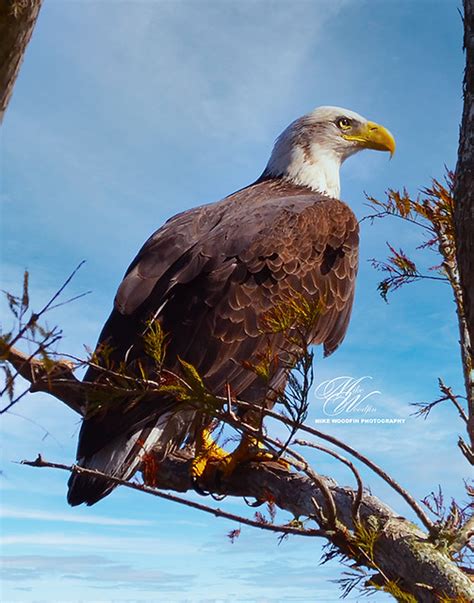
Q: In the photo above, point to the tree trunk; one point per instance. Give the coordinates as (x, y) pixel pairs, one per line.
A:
(464, 214)
(464, 182)
(17, 20)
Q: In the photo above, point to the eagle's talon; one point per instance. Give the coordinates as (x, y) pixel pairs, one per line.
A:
(249, 450)
(197, 488)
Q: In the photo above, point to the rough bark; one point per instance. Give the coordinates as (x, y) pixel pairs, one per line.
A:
(17, 21)
(464, 212)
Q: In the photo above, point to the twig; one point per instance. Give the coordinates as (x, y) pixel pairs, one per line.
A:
(424, 408)
(360, 486)
(383, 214)
(35, 316)
(303, 466)
(70, 300)
(449, 395)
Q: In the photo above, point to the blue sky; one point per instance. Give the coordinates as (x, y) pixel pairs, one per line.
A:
(125, 113)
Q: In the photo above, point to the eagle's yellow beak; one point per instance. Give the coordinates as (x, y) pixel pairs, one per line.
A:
(373, 136)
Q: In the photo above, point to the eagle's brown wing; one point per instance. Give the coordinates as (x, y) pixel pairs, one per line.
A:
(211, 274)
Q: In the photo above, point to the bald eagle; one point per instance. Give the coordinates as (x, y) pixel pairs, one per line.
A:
(209, 274)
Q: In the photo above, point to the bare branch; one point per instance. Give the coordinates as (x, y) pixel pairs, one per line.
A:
(424, 408)
(284, 529)
(448, 392)
(340, 458)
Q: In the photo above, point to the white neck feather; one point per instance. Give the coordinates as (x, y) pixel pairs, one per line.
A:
(315, 166)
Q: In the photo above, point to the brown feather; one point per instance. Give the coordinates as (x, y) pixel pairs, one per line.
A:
(211, 274)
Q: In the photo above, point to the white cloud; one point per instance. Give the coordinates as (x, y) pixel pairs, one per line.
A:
(35, 514)
(94, 570)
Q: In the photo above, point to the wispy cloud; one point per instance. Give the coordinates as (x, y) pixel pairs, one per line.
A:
(34, 514)
(158, 43)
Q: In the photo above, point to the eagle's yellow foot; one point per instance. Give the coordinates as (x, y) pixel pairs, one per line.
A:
(212, 464)
(208, 457)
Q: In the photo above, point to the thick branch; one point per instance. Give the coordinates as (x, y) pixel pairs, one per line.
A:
(17, 21)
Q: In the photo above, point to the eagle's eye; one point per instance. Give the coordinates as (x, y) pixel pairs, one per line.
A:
(343, 123)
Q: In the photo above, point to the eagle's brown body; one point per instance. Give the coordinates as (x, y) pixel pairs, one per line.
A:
(209, 275)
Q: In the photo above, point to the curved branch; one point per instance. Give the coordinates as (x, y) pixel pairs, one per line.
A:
(344, 461)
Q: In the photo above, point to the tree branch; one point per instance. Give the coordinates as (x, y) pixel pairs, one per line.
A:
(58, 381)
(283, 529)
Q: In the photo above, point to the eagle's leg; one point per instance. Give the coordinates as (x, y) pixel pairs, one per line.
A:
(251, 448)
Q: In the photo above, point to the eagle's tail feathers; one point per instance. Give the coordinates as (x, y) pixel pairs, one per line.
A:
(120, 459)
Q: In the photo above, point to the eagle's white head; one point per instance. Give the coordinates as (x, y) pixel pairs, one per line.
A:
(311, 149)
